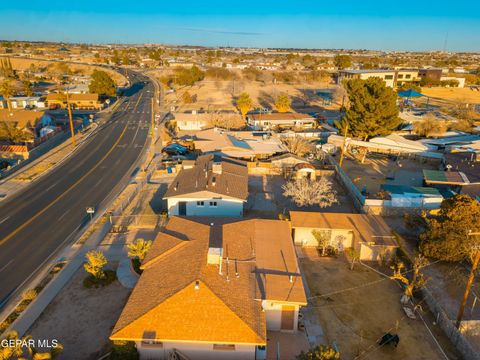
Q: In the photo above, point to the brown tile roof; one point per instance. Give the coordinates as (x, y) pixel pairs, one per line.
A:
(258, 259)
(72, 97)
(202, 181)
(280, 116)
(23, 118)
(366, 228)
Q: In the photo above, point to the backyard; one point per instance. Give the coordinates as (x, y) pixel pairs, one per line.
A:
(266, 198)
(381, 169)
(357, 307)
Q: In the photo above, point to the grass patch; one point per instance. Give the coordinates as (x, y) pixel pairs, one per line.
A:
(123, 350)
(92, 282)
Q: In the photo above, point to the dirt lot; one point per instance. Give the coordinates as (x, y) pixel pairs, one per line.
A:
(374, 171)
(266, 200)
(219, 94)
(464, 95)
(354, 316)
(22, 64)
(81, 319)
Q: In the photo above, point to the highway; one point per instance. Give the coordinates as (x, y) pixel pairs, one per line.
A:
(38, 221)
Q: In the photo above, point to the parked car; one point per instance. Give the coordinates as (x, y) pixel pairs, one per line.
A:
(175, 149)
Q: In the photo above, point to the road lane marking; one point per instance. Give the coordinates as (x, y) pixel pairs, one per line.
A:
(21, 227)
(139, 98)
(4, 267)
(1, 222)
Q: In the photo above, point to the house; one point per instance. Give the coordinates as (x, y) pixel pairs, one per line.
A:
(211, 288)
(412, 196)
(248, 145)
(27, 119)
(209, 188)
(21, 102)
(77, 101)
(392, 78)
(466, 162)
(287, 161)
(368, 234)
(280, 120)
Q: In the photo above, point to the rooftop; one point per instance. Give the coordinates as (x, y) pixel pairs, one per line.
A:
(366, 228)
(182, 297)
(281, 116)
(23, 118)
(229, 178)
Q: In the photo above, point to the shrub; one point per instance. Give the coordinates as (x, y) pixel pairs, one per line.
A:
(29, 295)
(124, 350)
(93, 282)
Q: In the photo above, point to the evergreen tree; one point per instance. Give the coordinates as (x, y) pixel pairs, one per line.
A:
(373, 109)
(102, 84)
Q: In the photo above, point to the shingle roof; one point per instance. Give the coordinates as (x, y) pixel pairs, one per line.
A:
(72, 97)
(366, 228)
(280, 116)
(202, 181)
(258, 260)
(23, 118)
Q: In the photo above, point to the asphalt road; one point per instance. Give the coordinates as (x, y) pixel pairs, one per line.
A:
(35, 223)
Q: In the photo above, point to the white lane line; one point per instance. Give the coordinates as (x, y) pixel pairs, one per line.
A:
(1, 222)
(64, 214)
(5, 266)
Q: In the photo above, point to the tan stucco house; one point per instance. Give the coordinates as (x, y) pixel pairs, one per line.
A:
(369, 234)
(211, 288)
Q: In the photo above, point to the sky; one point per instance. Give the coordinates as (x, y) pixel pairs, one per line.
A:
(347, 24)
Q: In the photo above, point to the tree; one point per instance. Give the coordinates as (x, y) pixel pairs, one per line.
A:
(342, 61)
(430, 126)
(95, 263)
(27, 87)
(187, 98)
(7, 91)
(409, 86)
(323, 239)
(226, 121)
(188, 77)
(139, 249)
(298, 145)
(417, 280)
(13, 134)
(244, 104)
(102, 84)
(305, 192)
(320, 352)
(115, 57)
(447, 235)
(283, 103)
(373, 109)
(354, 256)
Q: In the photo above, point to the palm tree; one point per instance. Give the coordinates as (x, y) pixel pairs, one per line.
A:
(7, 91)
(139, 249)
(12, 348)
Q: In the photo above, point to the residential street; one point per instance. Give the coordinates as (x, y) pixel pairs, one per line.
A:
(39, 220)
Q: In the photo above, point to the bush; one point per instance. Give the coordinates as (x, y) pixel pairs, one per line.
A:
(93, 282)
(29, 295)
(124, 350)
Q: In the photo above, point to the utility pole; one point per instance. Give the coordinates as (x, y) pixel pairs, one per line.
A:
(342, 154)
(72, 130)
(471, 277)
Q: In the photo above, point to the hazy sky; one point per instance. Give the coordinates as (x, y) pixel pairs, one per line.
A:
(369, 24)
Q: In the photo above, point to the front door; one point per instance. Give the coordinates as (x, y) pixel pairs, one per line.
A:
(288, 317)
(182, 208)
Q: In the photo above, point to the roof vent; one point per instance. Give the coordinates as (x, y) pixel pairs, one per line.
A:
(197, 285)
(214, 181)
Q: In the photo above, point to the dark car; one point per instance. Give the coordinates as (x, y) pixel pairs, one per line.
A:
(175, 149)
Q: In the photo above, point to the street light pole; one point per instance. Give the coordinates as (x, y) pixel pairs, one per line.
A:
(72, 130)
(471, 277)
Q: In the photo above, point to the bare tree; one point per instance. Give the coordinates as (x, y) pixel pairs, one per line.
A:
(417, 280)
(226, 121)
(430, 126)
(305, 192)
(298, 145)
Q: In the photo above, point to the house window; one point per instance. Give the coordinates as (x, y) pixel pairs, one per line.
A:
(200, 203)
(400, 76)
(213, 204)
(224, 347)
(408, 76)
(388, 77)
